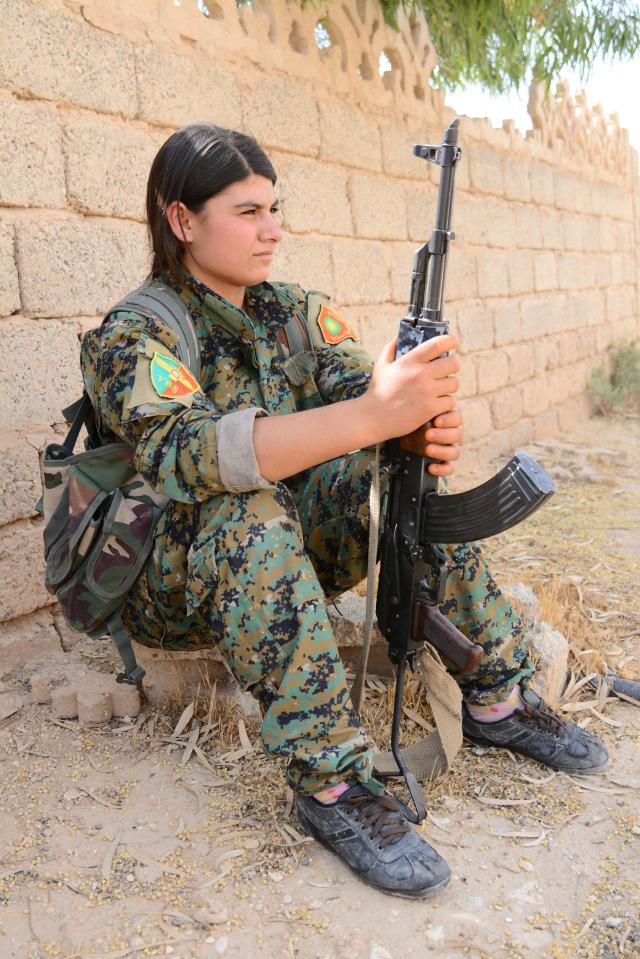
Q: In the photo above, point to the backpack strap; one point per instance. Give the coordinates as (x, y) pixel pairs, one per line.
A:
(157, 301)
(133, 673)
(294, 336)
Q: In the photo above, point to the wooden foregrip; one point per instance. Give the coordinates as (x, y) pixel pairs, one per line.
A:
(429, 624)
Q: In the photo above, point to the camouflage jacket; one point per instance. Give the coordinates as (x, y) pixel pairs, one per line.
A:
(192, 446)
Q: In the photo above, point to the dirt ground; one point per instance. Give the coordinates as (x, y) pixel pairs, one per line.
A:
(142, 839)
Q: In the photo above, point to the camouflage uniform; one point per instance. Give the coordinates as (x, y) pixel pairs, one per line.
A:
(248, 564)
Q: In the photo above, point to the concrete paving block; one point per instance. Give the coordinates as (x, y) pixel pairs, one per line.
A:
(64, 702)
(95, 706)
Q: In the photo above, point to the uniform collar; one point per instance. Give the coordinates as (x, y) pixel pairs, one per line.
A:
(260, 300)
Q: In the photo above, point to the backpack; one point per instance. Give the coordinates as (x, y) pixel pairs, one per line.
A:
(99, 513)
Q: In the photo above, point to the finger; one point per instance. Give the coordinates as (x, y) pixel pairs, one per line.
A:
(445, 453)
(388, 352)
(440, 367)
(434, 348)
(450, 384)
(447, 420)
(441, 469)
(444, 437)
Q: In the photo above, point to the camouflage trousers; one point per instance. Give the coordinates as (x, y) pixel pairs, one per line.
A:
(251, 572)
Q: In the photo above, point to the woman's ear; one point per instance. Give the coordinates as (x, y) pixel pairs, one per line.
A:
(179, 219)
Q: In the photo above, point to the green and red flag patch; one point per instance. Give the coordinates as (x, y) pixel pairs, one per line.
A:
(333, 328)
(170, 378)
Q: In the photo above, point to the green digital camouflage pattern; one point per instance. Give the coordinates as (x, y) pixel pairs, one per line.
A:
(250, 571)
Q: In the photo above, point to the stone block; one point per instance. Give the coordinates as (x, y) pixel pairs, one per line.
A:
(26, 639)
(397, 152)
(125, 700)
(541, 179)
(535, 395)
(576, 228)
(539, 315)
(41, 689)
(20, 476)
(360, 275)
(468, 378)
(545, 271)
(107, 165)
(528, 227)
(179, 677)
(474, 328)
(399, 259)
(304, 260)
(517, 185)
(546, 424)
(9, 288)
(476, 418)
(281, 115)
(64, 702)
(521, 361)
(462, 275)
(492, 370)
(378, 207)
(376, 323)
(507, 321)
(485, 171)
(493, 273)
(506, 407)
(325, 208)
(31, 167)
(95, 707)
(43, 358)
(564, 188)
(349, 137)
(68, 637)
(520, 272)
(22, 571)
(550, 651)
(420, 204)
(552, 230)
(174, 90)
(525, 602)
(59, 57)
(95, 264)
(571, 272)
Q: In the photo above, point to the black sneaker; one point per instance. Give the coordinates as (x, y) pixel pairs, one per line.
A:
(371, 835)
(538, 732)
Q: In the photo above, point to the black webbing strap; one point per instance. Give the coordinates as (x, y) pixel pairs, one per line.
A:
(133, 673)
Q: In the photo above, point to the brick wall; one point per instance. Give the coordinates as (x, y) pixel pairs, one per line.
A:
(543, 275)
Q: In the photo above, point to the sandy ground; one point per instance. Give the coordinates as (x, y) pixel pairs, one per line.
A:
(128, 841)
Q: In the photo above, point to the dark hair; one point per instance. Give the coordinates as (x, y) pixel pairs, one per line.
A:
(194, 164)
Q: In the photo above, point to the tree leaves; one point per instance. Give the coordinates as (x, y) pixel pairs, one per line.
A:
(501, 44)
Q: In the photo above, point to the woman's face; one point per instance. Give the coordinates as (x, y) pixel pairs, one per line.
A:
(231, 242)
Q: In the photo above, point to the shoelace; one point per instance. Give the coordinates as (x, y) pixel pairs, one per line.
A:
(381, 815)
(544, 717)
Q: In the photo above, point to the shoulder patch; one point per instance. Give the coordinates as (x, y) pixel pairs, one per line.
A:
(333, 328)
(171, 378)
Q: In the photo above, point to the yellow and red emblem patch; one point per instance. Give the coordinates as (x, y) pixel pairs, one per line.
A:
(170, 378)
(333, 328)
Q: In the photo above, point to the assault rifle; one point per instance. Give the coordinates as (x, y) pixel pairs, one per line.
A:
(418, 520)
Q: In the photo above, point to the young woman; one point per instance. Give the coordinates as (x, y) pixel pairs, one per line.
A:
(268, 505)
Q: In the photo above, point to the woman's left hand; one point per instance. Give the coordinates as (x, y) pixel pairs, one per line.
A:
(438, 440)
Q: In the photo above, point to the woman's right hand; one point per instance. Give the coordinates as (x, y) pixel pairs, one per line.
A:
(407, 392)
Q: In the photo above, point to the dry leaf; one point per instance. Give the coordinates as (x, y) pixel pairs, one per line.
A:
(503, 802)
(185, 719)
(245, 742)
(107, 862)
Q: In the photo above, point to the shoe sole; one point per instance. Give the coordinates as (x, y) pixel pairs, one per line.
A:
(478, 741)
(428, 893)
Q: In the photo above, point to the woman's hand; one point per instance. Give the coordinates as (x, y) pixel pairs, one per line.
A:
(406, 393)
(439, 441)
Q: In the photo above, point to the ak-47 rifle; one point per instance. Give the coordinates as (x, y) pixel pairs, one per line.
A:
(413, 570)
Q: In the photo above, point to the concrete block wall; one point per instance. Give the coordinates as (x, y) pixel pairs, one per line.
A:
(542, 277)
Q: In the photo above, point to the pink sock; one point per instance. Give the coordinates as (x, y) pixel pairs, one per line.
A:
(496, 711)
(330, 795)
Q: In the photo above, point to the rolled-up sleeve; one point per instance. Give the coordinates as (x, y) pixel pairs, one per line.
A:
(176, 440)
(237, 463)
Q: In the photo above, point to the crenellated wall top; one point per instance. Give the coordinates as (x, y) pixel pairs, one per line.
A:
(338, 49)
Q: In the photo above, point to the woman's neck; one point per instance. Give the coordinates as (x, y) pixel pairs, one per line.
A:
(229, 291)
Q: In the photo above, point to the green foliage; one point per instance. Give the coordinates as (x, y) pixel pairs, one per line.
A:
(618, 387)
(501, 44)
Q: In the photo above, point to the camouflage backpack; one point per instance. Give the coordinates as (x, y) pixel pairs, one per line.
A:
(100, 514)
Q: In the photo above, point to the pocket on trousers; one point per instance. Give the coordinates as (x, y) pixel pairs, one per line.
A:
(244, 639)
